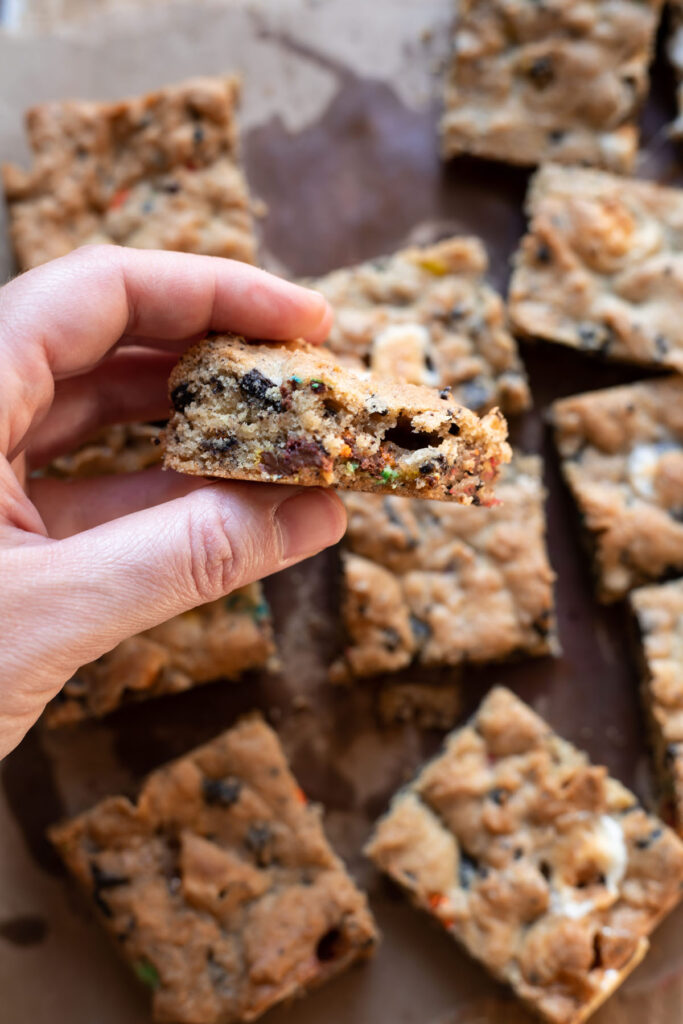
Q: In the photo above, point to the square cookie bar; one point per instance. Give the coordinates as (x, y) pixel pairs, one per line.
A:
(601, 267)
(437, 585)
(659, 614)
(622, 457)
(159, 171)
(539, 864)
(554, 81)
(427, 316)
(288, 413)
(221, 640)
(218, 884)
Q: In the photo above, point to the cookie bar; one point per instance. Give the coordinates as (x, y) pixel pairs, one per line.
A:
(427, 316)
(542, 867)
(220, 640)
(218, 883)
(601, 268)
(159, 171)
(555, 81)
(675, 50)
(439, 585)
(622, 457)
(287, 413)
(659, 614)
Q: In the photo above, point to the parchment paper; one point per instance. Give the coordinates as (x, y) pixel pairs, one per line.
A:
(339, 122)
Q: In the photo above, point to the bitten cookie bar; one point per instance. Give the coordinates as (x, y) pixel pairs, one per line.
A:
(546, 870)
(287, 413)
(659, 614)
(561, 81)
(622, 457)
(601, 268)
(218, 883)
(441, 585)
(427, 316)
(221, 640)
(159, 171)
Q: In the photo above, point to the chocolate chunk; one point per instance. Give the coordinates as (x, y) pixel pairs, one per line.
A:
(258, 840)
(542, 72)
(255, 387)
(222, 792)
(182, 396)
(298, 453)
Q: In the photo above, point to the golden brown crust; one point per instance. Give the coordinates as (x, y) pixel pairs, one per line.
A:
(545, 869)
(439, 585)
(288, 413)
(158, 171)
(554, 81)
(427, 316)
(601, 267)
(218, 883)
(659, 614)
(622, 457)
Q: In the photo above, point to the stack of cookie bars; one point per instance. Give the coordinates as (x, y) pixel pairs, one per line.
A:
(217, 883)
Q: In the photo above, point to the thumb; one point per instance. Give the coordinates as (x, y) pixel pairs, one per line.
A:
(77, 598)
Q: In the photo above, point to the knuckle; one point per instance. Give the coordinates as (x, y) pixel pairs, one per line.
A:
(211, 563)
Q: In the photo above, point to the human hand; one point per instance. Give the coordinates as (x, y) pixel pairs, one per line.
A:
(86, 341)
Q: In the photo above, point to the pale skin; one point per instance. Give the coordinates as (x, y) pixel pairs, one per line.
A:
(89, 340)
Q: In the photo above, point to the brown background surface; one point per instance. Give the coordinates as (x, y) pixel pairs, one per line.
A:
(340, 143)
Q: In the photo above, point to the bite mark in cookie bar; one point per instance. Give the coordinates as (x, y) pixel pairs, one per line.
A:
(546, 870)
(659, 614)
(221, 640)
(427, 316)
(218, 884)
(555, 81)
(159, 171)
(622, 457)
(442, 586)
(287, 413)
(601, 267)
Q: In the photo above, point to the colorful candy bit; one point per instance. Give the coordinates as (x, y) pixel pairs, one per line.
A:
(119, 198)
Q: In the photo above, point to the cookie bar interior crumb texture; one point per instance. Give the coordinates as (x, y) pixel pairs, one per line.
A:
(622, 457)
(601, 268)
(218, 884)
(159, 171)
(427, 316)
(659, 614)
(544, 868)
(287, 413)
(441, 585)
(221, 640)
(555, 81)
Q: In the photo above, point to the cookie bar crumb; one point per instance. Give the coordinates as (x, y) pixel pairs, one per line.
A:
(429, 706)
(561, 81)
(545, 869)
(287, 413)
(601, 267)
(436, 585)
(426, 315)
(659, 614)
(218, 884)
(622, 458)
(160, 171)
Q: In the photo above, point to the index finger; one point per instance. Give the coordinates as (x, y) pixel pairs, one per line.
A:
(78, 307)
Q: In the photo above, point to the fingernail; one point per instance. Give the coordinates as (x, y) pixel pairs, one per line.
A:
(310, 521)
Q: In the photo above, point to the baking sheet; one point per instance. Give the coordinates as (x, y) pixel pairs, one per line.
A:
(339, 124)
